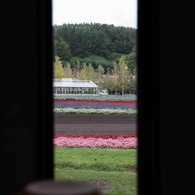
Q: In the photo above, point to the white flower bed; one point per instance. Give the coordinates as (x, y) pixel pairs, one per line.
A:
(94, 111)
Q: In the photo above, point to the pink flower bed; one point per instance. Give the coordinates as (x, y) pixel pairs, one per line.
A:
(96, 141)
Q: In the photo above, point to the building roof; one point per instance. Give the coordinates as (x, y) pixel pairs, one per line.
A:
(68, 82)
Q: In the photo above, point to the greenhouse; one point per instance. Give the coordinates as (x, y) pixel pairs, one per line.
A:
(68, 86)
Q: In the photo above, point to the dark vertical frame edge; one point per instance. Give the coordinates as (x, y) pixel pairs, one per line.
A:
(45, 93)
(148, 117)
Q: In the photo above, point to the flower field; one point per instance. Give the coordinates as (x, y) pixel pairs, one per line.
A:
(129, 97)
(96, 141)
(94, 106)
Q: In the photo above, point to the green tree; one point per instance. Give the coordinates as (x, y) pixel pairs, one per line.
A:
(109, 82)
(133, 86)
(131, 60)
(115, 76)
(122, 74)
(76, 69)
(62, 50)
(100, 72)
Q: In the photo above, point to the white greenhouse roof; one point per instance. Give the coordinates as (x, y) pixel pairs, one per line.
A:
(73, 83)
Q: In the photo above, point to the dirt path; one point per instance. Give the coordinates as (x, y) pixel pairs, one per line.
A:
(94, 124)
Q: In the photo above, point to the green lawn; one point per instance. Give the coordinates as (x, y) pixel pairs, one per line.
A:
(113, 169)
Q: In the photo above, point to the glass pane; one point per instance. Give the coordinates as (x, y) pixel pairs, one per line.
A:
(95, 129)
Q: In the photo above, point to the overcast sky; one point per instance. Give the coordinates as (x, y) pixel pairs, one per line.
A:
(116, 12)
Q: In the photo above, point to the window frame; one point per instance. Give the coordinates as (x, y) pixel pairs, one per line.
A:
(148, 95)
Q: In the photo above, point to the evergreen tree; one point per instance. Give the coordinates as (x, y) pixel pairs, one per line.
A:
(62, 50)
(131, 61)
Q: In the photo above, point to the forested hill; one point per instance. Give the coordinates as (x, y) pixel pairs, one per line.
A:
(95, 43)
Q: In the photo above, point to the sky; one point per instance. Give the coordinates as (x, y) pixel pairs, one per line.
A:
(116, 12)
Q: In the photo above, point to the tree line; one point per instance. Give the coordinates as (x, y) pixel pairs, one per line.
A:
(118, 79)
(103, 53)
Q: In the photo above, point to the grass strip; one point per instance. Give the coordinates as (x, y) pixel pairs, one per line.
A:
(113, 171)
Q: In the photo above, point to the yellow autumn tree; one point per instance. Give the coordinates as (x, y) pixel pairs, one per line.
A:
(68, 71)
(58, 69)
(123, 73)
